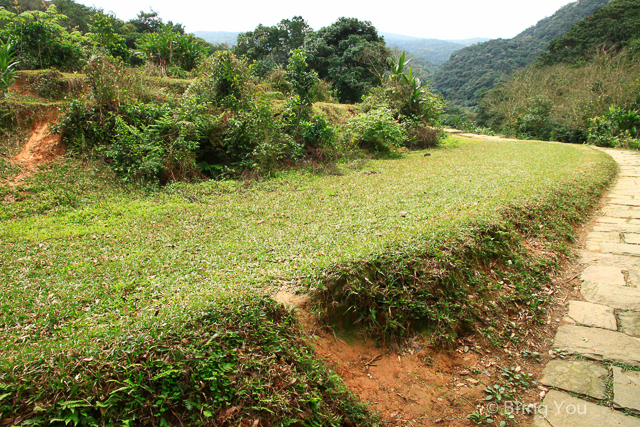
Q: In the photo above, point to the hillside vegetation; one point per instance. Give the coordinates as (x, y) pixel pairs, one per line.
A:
(612, 29)
(583, 89)
(157, 192)
(470, 72)
(151, 305)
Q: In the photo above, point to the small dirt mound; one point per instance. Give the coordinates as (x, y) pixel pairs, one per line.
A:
(40, 148)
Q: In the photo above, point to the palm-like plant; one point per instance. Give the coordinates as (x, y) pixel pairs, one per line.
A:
(413, 97)
(7, 66)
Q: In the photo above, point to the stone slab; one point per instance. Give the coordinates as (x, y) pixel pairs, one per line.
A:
(626, 389)
(603, 274)
(589, 314)
(598, 344)
(593, 246)
(621, 261)
(620, 249)
(563, 410)
(631, 238)
(620, 297)
(630, 323)
(623, 202)
(611, 220)
(608, 237)
(580, 377)
(617, 228)
(621, 213)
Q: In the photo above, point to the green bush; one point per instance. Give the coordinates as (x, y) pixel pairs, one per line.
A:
(225, 80)
(617, 128)
(378, 132)
(7, 66)
(319, 133)
(301, 78)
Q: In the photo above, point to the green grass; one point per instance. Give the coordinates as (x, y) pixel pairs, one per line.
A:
(106, 274)
(104, 268)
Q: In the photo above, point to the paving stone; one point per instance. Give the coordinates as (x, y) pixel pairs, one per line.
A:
(623, 202)
(611, 220)
(633, 278)
(630, 323)
(589, 314)
(603, 274)
(609, 260)
(580, 377)
(631, 238)
(620, 297)
(626, 389)
(563, 410)
(619, 228)
(621, 213)
(609, 237)
(598, 344)
(593, 246)
(620, 249)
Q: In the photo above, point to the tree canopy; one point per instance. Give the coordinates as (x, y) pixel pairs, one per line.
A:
(613, 27)
(351, 54)
(271, 46)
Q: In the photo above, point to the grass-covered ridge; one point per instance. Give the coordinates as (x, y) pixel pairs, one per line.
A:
(134, 281)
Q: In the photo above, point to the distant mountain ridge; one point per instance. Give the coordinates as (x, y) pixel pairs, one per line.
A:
(471, 71)
(215, 37)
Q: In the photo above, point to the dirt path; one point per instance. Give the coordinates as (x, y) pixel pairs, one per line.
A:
(40, 148)
(457, 132)
(602, 327)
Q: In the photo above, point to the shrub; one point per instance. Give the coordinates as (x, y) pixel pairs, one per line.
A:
(225, 80)
(378, 132)
(301, 78)
(421, 135)
(319, 133)
(7, 66)
(617, 128)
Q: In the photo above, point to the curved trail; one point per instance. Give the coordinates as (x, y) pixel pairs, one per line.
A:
(605, 327)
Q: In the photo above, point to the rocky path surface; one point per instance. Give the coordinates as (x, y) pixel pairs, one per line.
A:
(596, 378)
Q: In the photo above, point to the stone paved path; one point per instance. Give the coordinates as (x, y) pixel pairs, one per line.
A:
(604, 328)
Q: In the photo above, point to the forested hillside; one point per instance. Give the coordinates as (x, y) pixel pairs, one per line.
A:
(614, 28)
(583, 89)
(470, 72)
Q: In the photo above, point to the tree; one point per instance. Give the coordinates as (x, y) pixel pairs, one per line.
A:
(103, 36)
(350, 54)
(40, 41)
(270, 47)
(168, 48)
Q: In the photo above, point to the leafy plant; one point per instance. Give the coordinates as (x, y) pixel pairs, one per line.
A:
(301, 78)
(7, 66)
(497, 393)
(516, 377)
(378, 132)
(479, 417)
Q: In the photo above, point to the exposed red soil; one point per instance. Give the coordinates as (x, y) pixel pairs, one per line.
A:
(41, 147)
(430, 386)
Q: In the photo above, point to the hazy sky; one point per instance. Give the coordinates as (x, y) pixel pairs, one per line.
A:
(442, 19)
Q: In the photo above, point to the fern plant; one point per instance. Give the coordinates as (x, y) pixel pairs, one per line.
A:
(7, 66)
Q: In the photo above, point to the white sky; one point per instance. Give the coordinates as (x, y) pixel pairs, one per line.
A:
(441, 19)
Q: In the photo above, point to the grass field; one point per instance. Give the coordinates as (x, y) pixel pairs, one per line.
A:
(112, 272)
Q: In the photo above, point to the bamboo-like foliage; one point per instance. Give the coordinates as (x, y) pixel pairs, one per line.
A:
(7, 66)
